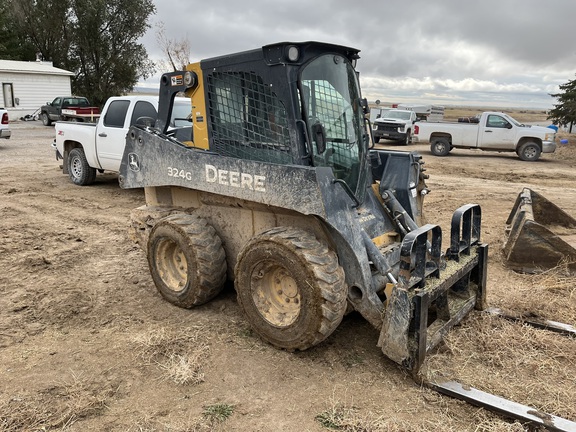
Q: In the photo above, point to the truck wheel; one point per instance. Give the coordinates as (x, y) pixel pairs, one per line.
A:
(440, 147)
(529, 151)
(79, 171)
(291, 288)
(45, 119)
(408, 139)
(186, 260)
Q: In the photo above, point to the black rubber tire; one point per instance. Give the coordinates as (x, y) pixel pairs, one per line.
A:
(529, 151)
(45, 119)
(79, 171)
(186, 260)
(291, 288)
(408, 139)
(440, 146)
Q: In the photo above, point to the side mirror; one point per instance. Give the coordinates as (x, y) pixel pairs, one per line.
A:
(319, 137)
(364, 104)
(508, 126)
(49, 103)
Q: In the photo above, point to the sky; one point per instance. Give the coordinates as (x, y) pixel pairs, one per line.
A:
(491, 53)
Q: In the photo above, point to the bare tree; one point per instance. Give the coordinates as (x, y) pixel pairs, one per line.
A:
(177, 52)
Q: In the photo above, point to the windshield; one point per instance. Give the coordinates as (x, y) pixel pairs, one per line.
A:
(181, 113)
(511, 120)
(404, 115)
(330, 96)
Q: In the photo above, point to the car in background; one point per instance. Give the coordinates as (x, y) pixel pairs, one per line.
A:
(69, 108)
(4, 124)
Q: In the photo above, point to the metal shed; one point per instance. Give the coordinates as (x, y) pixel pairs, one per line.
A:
(26, 86)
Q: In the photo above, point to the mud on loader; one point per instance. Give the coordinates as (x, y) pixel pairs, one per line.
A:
(276, 186)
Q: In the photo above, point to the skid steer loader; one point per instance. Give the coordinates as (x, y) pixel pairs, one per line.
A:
(275, 186)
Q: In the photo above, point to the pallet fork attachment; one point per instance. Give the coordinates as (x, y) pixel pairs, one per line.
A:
(433, 292)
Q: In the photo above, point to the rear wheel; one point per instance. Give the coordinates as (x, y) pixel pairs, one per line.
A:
(440, 147)
(186, 260)
(291, 288)
(529, 151)
(79, 171)
(45, 119)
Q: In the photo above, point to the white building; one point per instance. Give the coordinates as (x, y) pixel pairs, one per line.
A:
(26, 86)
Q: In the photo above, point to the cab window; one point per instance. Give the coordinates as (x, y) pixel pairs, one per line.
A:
(143, 109)
(116, 113)
(496, 121)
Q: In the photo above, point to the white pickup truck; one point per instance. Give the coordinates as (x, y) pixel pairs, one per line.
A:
(87, 148)
(394, 124)
(4, 124)
(493, 131)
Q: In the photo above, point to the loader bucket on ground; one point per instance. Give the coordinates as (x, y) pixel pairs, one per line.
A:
(540, 235)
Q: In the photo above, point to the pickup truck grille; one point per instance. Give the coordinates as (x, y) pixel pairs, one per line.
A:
(387, 127)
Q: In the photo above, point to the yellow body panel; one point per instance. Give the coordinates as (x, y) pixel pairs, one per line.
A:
(199, 112)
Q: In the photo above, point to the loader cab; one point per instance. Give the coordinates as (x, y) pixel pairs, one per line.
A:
(289, 103)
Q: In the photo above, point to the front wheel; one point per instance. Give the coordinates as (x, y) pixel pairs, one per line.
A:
(529, 151)
(440, 147)
(45, 119)
(408, 139)
(186, 260)
(291, 288)
(79, 171)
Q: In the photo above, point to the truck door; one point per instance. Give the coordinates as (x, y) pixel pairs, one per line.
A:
(54, 109)
(113, 127)
(496, 132)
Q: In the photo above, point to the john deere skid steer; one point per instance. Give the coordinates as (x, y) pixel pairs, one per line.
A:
(275, 187)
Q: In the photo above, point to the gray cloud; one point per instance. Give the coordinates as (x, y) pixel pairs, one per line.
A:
(511, 52)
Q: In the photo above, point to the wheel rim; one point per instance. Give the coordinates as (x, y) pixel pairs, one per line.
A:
(440, 147)
(171, 264)
(530, 152)
(76, 167)
(275, 294)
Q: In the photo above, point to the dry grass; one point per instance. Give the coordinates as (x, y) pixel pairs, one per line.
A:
(549, 295)
(344, 416)
(178, 353)
(56, 407)
(510, 359)
(513, 360)
(211, 420)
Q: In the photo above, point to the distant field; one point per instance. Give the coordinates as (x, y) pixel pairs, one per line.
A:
(522, 115)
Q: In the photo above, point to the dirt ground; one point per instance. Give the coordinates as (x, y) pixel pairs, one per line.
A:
(87, 343)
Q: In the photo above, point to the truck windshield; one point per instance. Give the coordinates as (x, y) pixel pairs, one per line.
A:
(403, 115)
(330, 95)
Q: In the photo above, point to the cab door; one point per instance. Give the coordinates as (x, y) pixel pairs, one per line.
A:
(113, 127)
(496, 133)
